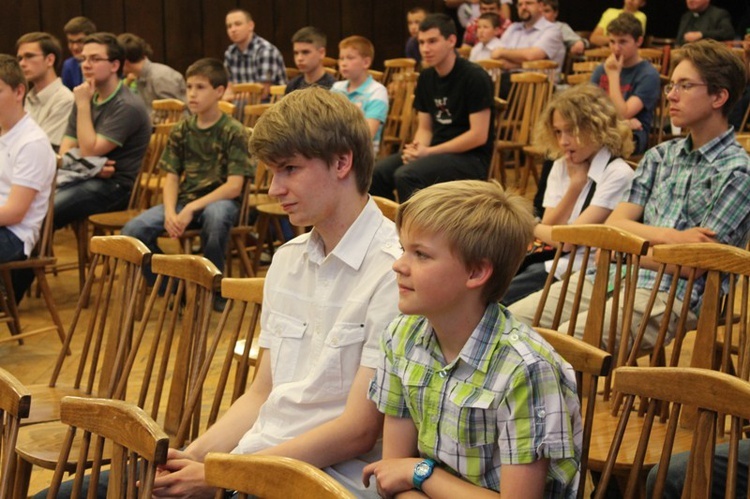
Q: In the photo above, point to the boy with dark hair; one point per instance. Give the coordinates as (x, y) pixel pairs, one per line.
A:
(454, 102)
(152, 80)
(473, 399)
(309, 45)
(107, 121)
(27, 169)
(75, 30)
(686, 190)
(487, 39)
(414, 18)
(48, 101)
(355, 57)
(206, 161)
(631, 82)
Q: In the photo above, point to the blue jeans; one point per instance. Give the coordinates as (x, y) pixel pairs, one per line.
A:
(95, 195)
(11, 250)
(677, 472)
(215, 222)
(390, 173)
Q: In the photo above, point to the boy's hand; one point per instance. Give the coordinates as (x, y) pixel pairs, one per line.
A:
(694, 235)
(577, 48)
(613, 64)
(107, 170)
(84, 92)
(176, 223)
(413, 151)
(182, 476)
(391, 475)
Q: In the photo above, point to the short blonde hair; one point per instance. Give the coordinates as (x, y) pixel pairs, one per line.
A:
(593, 118)
(360, 44)
(481, 223)
(317, 124)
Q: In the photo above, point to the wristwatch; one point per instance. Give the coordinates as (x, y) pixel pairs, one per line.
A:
(422, 471)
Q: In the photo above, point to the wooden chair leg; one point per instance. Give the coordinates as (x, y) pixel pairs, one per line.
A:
(22, 479)
(10, 306)
(47, 294)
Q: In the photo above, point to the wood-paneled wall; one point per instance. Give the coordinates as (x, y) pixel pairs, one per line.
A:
(181, 31)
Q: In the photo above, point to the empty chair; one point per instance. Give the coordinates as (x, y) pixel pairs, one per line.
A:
(15, 400)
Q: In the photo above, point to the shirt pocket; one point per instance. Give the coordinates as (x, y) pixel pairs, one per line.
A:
(342, 353)
(288, 333)
(472, 420)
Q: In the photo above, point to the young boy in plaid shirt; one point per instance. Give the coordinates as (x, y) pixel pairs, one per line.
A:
(472, 398)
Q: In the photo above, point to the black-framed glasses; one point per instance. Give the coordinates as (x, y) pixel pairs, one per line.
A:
(28, 56)
(682, 86)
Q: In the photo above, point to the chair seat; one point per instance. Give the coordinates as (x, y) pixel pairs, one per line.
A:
(114, 220)
(46, 406)
(40, 445)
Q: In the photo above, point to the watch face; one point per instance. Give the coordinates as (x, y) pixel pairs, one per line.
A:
(422, 469)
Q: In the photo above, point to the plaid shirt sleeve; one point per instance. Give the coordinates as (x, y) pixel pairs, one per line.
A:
(733, 190)
(386, 389)
(645, 174)
(270, 65)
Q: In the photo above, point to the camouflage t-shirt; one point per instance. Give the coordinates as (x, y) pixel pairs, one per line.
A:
(203, 158)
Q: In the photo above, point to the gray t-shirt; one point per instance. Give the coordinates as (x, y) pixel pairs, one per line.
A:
(122, 119)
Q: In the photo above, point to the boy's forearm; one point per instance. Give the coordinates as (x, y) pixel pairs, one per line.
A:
(444, 485)
(170, 191)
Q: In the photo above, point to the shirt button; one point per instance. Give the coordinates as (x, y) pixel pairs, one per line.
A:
(541, 413)
(442, 374)
(335, 342)
(514, 337)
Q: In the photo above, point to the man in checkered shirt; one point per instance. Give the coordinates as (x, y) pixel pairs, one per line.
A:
(250, 58)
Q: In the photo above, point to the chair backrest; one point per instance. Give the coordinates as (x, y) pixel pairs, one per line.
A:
(177, 315)
(745, 125)
(464, 51)
(376, 75)
(253, 112)
(167, 111)
(398, 122)
(395, 66)
(138, 446)
(597, 54)
(245, 94)
(578, 78)
(744, 139)
(236, 330)
(117, 289)
(15, 401)
(277, 92)
(147, 187)
(661, 115)
(585, 66)
(291, 73)
(713, 393)
(227, 107)
(544, 66)
(495, 70)
(387, 206)
(655, 56)
(589, 363)
(271, 477)
(527, 98)
(330, 62)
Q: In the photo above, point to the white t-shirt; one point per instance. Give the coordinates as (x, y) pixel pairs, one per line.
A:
(482, 51)
(612, 186)
(27, 160)
(322, 319)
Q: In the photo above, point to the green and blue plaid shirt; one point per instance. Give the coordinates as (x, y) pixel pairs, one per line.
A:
(681, 189)
(507, 398)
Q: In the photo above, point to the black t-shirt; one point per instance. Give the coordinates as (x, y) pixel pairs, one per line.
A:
(449, 100)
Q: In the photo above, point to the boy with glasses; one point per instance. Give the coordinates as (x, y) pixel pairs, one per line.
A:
(76, 30)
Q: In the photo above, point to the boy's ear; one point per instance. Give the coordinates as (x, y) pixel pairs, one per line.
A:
(368, 61)
(639, 41)
(719, 98)
(343, 164)
(479, 274)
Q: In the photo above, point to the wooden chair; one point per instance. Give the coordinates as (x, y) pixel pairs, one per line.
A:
(271, 477)
(528, 95)
(744, 140)
(396, 66)
(330, 62)
(387, 206)
(495, 70)
(745, 125)
(544, 66)
(397, 129)
(464, 51)
(253, 112)
(578, 78)
(277, 92)
(661, 117)
(116, 294)
(598, 54)
(38, 262)
(178, 314)
(227, 107)
(376, 75)
(657, 57)
(590, 363)
(715, 394)
(291, 73)
(15, 401)
(585, 66)
(167, 111)
(137, 443)
(245, 94)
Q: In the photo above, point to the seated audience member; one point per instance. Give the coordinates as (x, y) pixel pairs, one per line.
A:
(487, 40)
(466, 12)
(455, 350)
(355, 56)
(533, 38)
(205, 161)
(631, 82)
(107, 121)
(76, 30)
(414, 18)
(703, 20)
(48, 101)
(573, 43)
(250, 58)
(486, 7)
(27, 169)
(330, 291)
(152, 80)
(454, 103)
(686, 190)
(581, 129)
(309, 45)
(600, 35)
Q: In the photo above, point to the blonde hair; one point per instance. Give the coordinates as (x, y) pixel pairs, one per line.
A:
(317, 124)
(481, 223)
(361, 44)
(593, 118)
